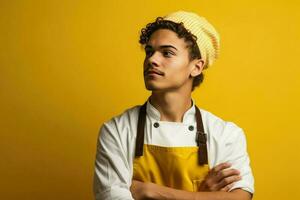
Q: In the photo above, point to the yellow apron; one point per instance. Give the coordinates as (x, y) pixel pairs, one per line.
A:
(176, 167)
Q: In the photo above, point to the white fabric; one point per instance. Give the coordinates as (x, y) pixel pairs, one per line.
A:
(116, 147)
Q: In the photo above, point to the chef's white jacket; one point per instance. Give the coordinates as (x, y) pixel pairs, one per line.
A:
(116, 147)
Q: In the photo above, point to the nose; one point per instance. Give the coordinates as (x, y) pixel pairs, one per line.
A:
(154, 59)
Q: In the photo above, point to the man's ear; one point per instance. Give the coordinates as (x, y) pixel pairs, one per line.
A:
(197, 67)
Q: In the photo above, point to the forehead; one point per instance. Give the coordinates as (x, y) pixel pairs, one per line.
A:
(166, 37)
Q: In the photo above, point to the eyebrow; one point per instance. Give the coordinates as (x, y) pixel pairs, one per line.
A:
(161, 47)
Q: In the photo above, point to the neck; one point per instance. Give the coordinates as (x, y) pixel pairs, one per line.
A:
(171, 106)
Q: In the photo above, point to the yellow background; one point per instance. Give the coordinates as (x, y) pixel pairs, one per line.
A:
(68, 66)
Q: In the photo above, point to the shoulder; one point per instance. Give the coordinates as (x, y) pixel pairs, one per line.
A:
(127, 117)
(126, 120)
(219, 128)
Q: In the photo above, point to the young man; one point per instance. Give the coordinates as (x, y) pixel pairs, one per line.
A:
(169, 148)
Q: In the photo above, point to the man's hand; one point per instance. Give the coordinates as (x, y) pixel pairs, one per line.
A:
(151, 191)
(220, 178)
(138, 190)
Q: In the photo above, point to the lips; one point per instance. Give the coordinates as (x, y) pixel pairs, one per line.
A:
(154, 71)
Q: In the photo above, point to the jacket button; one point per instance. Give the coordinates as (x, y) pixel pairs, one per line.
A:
(156, 124)
(191, 128)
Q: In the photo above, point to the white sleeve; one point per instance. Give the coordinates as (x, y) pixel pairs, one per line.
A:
(236, 154)
(112, 177)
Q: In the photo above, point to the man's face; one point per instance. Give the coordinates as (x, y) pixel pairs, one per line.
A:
(167, 66)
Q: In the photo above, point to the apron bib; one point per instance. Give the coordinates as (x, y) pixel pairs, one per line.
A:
(176, 167)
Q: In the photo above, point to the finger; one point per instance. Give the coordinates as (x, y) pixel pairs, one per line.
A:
(220, 167)
(215, 174)
(227, 188)
(227, 173)
(227, 181)
(217, 182)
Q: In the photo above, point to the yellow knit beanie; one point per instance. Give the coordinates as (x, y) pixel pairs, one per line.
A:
(208, 39)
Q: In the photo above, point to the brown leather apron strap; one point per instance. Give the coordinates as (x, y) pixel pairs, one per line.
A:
(201, 139)
(201, 136)
(140, 131)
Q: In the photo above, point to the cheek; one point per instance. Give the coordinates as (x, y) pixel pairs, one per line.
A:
(178, 66)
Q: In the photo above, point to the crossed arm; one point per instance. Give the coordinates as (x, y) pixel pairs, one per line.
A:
(112, 173)
(215, 186)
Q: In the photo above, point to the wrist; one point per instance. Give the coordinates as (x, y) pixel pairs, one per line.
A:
(149, 190)
(154, 191)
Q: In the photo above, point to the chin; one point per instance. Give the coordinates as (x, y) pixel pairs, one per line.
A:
(152, 87)
(156, 88)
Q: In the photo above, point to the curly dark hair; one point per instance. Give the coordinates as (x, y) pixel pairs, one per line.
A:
(182, 32)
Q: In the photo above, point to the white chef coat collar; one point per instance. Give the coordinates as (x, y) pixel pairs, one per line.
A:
(188, 117)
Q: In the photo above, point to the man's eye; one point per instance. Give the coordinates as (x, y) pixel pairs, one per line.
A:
(168, 53)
